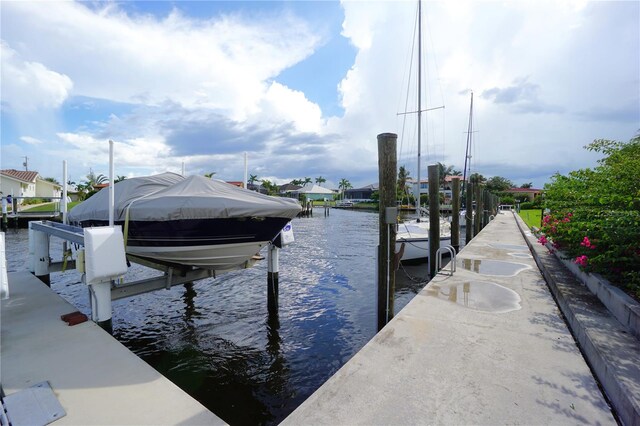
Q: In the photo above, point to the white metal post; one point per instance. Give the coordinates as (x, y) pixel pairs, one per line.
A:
(272, 278)
(41, 256)
(111, 183)
(101, 304)
(63, 204)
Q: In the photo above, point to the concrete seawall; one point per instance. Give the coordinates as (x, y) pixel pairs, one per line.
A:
(487, 345)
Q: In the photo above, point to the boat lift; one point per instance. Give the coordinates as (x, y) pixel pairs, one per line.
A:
(103, 260)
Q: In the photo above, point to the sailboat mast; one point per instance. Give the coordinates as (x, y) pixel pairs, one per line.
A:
(419, 99)
(467, 156)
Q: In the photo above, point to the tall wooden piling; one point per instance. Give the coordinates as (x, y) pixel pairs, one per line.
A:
(434, 216)
(477, 189)
(272, 278)
(387, 171)
(455, 213)
(468, 235)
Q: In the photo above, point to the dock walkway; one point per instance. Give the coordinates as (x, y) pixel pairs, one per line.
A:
(95, 378)
(487, 345)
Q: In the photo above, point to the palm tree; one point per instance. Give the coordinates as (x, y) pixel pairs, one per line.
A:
(320, 180)
(253, 179)
(344, 185)
(119, 179)
(477, 178)
(271, 188)
(401, 189)
(307, 180)
(209, 175)
(297, 182)
(444, 171)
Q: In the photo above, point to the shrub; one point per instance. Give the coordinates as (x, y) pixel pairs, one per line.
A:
(595, 214)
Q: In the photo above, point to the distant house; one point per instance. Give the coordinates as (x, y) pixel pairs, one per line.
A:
(361, 194)
(287, 189)
(21, 183)
(313, 192)
(530, 193)
(237, 183)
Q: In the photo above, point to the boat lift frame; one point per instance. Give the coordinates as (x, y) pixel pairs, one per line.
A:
(173, 274)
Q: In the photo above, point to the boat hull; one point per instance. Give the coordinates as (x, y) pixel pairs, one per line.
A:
(417, 248)
(205, 243)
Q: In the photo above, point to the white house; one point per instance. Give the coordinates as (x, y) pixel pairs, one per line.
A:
(21, 183)
(314, 192)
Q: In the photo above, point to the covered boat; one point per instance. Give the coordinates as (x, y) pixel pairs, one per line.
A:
(194, 221)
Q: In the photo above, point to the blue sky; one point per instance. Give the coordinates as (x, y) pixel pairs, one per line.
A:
(304, 87)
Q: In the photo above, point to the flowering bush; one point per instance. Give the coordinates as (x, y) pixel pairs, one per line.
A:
(595, 215)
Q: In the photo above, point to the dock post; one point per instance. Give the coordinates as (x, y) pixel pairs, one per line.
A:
(41, 258)
(387, 171)
(455, 213)
(272, 278)
(5, 220)
(477, 189)
(434, 216)
(100, 294)
(468, 216)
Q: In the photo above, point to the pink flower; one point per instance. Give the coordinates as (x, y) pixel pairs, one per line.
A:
(585, 242)
(543, 240)
(581, 260)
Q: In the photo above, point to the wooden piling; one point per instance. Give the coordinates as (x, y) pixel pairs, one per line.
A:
(477, 189)
(434, 217)
(272, 278)
(469, 213)
(387, 171)
(455, 213)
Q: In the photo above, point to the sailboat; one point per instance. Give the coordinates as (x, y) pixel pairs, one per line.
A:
(412, 237)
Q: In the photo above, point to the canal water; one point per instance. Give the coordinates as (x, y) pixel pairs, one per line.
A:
(215, 339)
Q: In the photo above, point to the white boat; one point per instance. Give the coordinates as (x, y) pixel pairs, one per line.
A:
(192, 221)
(412, 237)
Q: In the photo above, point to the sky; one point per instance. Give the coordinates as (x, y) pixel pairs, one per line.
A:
(305, 87)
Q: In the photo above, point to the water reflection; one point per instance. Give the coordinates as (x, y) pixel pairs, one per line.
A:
(482, 296)
(493, 267)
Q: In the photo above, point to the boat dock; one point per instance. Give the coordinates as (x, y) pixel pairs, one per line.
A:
(93, 377)
(484, 345)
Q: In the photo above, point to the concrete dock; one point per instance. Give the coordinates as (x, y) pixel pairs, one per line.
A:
(487, 345)
(95, 379)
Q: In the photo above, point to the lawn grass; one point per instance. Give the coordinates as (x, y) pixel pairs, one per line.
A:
(531, 217)
(48, 207)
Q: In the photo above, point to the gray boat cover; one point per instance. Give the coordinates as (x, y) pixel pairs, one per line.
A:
(169, 196)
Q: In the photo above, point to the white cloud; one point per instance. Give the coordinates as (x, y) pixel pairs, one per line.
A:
(30, 140)
(221, 63)
(28, 86)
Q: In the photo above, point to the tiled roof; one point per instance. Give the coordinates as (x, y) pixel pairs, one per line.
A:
(22, 175)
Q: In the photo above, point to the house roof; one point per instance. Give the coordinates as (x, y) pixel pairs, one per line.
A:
(372, 187)
(21, 175)
(313, 189)
(289, 187)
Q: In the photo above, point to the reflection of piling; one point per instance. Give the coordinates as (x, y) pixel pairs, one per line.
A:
(434, 217)
(327, 208)
(387, 165)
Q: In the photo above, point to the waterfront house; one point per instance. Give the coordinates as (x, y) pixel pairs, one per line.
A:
(313, 192)
(363, 194)
(520, 193)
(23, 183)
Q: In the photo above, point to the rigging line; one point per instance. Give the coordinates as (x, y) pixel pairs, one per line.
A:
(408, 79)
